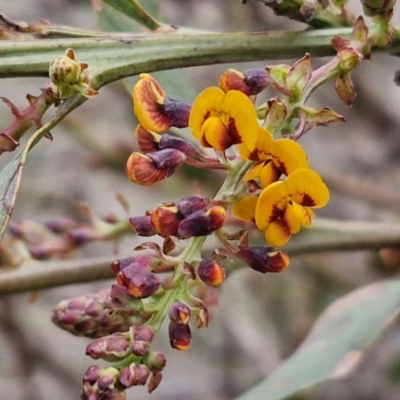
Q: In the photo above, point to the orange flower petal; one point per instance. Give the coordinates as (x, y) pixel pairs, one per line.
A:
(243, 122)
(245, 208)
(215, 134)
(269, 174)
(254, 172)
(291, 219)
(306, 187)
(271, 203)
(262, 149)
(236, 112)
(148, 99)
(277, 233)
(288, 156)
(207, 104)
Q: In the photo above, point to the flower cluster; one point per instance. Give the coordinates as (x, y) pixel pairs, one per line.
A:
(225, 116)
(268, 184)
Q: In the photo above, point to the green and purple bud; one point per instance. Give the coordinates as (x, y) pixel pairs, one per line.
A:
(155, 361)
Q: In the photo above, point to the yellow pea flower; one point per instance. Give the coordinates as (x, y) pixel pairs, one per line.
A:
(220, 120)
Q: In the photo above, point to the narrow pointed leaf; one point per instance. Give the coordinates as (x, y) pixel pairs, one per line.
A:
(336, 342)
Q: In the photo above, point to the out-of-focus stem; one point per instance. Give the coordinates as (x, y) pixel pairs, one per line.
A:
(324, 236)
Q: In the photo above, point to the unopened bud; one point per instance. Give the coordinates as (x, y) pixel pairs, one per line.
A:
(154, 381)
(141, 338)
(211, 272)
(264, 259)
(154, 167)
(251, 81)
(134, 375)
(69, 76)
(172, 142)
(165, 220)
(155, 361)
(88, 316)
(180, 336)
(107, 378)
(179, 313)
(142, 226)
(140, 285)
(190, 204)
(110, 348)
(202, 223)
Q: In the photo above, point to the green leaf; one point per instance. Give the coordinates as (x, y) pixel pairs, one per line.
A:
(10, 177)
(336, 342)
(132, 9)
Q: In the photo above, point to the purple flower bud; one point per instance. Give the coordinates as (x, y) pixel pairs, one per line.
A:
(203, 222)
(108, 377)
(178, 111)
(134, 375)
(211, 272)
(264, 259)
(180, 336)
(88, 316)
(190, 204)
(110, 348)
(172, 142)
(179, 313)
(142, 226)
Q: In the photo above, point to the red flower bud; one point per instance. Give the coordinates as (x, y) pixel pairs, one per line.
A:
(211, 272)
(180, 336)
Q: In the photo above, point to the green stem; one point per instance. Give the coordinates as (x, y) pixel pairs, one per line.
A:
(126, 55)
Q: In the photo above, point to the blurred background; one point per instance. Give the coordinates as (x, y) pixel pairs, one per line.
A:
(260, 320)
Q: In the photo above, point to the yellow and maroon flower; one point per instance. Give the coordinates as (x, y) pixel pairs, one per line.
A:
(284, 206)
(155, 111)
(273, 157)
(220, 120)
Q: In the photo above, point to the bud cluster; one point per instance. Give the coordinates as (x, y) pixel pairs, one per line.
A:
(189, 217)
